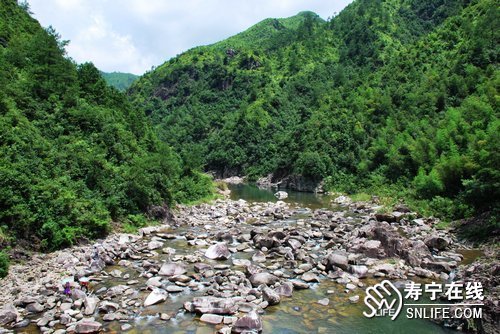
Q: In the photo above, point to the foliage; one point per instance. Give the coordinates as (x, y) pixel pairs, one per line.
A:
(74, 153)
(118, 80)
(4, 264)
(388, 96)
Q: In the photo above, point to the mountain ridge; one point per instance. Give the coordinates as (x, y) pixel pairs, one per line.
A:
(345, 101)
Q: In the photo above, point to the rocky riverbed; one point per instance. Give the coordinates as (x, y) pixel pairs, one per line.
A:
(228, 262)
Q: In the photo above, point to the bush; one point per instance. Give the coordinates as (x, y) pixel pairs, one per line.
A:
(4, 264)
(428, 185)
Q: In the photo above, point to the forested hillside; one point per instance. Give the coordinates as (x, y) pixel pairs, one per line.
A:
(390, 97)
(119, 80)
(75, 155)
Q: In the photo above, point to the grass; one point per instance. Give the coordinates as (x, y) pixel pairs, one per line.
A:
(361, 197)
(442, 225)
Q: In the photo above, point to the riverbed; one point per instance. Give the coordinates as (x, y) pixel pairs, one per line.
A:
(196, 228)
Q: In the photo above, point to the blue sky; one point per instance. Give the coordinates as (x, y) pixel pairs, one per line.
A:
(134, 35)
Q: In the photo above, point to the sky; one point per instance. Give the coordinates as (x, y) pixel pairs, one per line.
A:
(134, 35)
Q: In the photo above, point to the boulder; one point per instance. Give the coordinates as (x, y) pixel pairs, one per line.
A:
(373, 248)
(310, 277)
(343, 200)
(108, 307)
(219, 251)
(271, 296)
(213, 319)
(155, 244)
(156, 296)
(154, 282)
(324, 301)
(414, 252)
(249, 323)
(259, 257)
(172, 269)
(34, 307)
(211, 305)
(285, 289)
(281, 195)
(8, 314)
(437, 242)
(359, 271)
(260, 241)
(90, 305)
(337, 260)
(87, 326)
(201, 267)
(263, 278)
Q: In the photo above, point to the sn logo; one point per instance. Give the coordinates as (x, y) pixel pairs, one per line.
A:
(383, 299)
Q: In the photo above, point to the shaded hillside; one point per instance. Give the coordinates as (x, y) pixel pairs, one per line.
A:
(392, 96)
(74, 154)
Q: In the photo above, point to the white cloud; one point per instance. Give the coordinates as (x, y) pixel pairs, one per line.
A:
(133, 35)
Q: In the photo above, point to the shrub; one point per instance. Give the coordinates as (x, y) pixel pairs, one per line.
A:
(4, 264)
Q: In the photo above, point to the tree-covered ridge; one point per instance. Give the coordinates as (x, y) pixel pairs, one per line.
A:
(119, 80)
(75, 154)
(399, 94)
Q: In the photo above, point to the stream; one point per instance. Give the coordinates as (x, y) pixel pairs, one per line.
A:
(300, 313)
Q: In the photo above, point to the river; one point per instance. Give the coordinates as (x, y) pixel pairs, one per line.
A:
(299, 314)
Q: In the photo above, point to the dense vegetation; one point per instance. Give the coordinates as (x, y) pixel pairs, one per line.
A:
(120, 81)
(74, 154)
(396, 97)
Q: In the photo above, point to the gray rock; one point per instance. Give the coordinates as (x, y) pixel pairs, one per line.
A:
(107, 307)
(125, 327)
(34, 308)
(90, 305)
(299, 285)
(172, 269)
(87, 326)
(372, 248)
(271, 296)
(156, 296)
(174, 288)
(219, 251)
(212, 305)
(154, 282)
(154, 244)
(259, 257)
(337, 260)
(250, 323)
(359, 271)
(285, 289)
(23, 323)
(281, 194)
(324, 301)
(310, 277)
(437, 242)
(116, 273)
(263, 278)
(213, 319)
(8, 314)
(201, 267)
(354, 299)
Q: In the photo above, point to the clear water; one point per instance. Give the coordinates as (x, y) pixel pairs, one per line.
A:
(252, 193)
(298, 314)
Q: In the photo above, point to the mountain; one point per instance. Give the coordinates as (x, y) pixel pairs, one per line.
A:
(75, 155)
(119, 80)
(397, 98)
